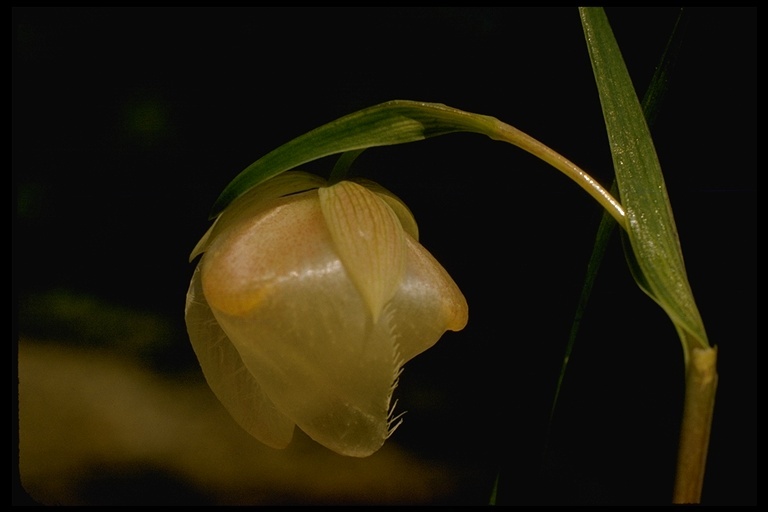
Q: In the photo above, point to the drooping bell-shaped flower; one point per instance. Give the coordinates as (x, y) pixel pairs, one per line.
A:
(306, 303)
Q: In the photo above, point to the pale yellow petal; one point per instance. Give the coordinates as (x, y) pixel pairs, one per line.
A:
(402, 211)
(227, 376)
(368, 238)
(427, 304)
(202, 244)
(302, 327)
(256, 199)
(244, 263)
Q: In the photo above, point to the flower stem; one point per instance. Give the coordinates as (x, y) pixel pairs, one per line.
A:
(342, 166)
(524, 141)
(700, 387)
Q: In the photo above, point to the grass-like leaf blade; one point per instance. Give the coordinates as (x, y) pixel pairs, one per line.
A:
(656, 257)
(393, 122)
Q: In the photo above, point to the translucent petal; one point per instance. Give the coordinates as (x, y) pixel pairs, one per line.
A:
(227, 376)
(427, 304)
(256, 199)
(278, 289)
(368, 238)
(401, 210)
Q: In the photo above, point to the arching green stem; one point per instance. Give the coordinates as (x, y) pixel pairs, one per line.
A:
(398, 122)
(601, 195)
(342, 166)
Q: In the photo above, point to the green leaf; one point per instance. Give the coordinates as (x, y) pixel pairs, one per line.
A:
(651, 102)
(656, 257)
(394, 122)
(397, 122)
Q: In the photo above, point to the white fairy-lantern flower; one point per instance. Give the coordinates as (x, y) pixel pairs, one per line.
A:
(307, 301)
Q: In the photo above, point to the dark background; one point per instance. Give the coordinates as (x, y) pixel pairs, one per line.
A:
(127, 123)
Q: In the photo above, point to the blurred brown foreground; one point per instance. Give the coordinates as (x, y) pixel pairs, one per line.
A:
(96, 428)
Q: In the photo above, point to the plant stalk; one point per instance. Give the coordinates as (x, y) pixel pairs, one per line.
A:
(700, 388)
(507, 133)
